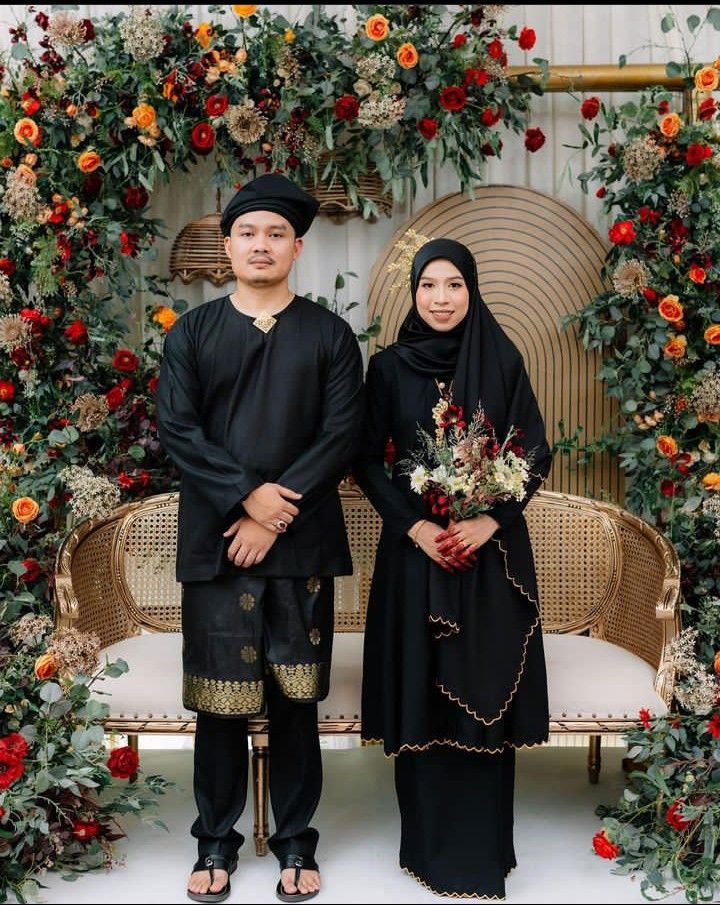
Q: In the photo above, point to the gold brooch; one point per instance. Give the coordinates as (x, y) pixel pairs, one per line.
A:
(264, 322)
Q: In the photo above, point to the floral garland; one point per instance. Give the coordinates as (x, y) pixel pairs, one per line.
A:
(658, 325)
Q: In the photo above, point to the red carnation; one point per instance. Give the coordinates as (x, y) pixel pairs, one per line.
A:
(453, 98)
(14, 744)
(622, 232)
(11, 769)
(85, 829)
(713, 726)
(135, 198)
(673, 818)
(7, 267)
(347, 107)
(590, 107)
(697, 153)
(459, 40)
(645, 717)
(20, 357)
(495, 49)
(77, 333)
(125, 360)
(668, 488)
(476, 77)
(216, 104)
(202, 138)
(123, 762)
(489, 116)
(534, 139)
(601, 192)
(428, 127)
(7, 391)
(707, 109)
(527, 39)
(114, 398)
(604, 847)
(32, 573)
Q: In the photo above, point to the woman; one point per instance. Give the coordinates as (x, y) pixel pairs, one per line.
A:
(454, 671)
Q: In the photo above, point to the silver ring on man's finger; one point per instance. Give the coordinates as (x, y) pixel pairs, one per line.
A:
(281, 525)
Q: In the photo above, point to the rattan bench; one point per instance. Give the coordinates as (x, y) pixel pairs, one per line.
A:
(608, 586)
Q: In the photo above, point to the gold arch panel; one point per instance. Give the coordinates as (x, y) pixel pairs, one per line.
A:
(538, 259)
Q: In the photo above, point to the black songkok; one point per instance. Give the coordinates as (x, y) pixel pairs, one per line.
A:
(272, 192)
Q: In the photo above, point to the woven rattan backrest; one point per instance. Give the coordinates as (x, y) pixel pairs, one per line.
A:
(352, 591)
(144, 558)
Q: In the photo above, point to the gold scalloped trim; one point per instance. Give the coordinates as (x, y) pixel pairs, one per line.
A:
(510, 578)
(454, 627)
(451, 743)
(453, 895)
(473, 713)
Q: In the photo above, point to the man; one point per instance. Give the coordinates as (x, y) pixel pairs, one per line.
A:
(258, 403)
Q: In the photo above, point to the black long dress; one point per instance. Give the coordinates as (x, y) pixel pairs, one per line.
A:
(451, 696)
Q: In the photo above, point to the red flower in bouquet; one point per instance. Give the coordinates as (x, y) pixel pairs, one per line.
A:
(202, 138)
(645, 717)
(604, 847)
(534, 139)
(77, 333)
(590, 107)
(125, 360)
(527, 38)
(216, 104)
(14, 744)
(123, 762)
(622, 232)
(11, 769)
(453, 98)
(347, 107)
(673, 817)
(85, 829)
(428, 127)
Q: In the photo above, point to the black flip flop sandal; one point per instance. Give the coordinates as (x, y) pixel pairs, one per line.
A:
(211, 863)
(298, 862)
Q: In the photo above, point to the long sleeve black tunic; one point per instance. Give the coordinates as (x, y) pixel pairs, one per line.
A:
(238, 407)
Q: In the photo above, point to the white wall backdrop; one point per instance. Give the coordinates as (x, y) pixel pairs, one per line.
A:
(565, 35)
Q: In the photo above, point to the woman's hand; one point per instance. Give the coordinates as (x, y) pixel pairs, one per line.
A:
(464, 537)
(426, 537)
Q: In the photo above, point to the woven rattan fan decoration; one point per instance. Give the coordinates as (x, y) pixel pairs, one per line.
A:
(198, 252)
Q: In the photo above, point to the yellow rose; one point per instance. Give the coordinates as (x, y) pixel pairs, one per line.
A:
(203, 35)
(244, 11)
(407, 56)
(27, 131)
(667, 446)
(25, 509)
(289, 35)
(711, 481)
(377, 27)
(706, 79)
(45, 666)
(71, 110)
(165, 316)
(144, 116)
(89, 161)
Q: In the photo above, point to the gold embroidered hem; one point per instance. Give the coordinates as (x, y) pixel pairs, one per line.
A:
(451, 743)
(224, 698)
(301, 681)
(453, 895)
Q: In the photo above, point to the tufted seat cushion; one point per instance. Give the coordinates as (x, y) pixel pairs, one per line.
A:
(588, 679)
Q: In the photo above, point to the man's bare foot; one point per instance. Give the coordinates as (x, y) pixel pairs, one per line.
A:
(309, 881)
(200, 881)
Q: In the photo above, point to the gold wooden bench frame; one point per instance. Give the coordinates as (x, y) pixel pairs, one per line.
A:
(620, 582)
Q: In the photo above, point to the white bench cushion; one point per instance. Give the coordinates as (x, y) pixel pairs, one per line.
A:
(587, 679)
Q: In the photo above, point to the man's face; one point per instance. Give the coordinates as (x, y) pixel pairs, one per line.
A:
(262, 248)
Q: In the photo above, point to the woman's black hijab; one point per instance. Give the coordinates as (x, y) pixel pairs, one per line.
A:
(474, 668)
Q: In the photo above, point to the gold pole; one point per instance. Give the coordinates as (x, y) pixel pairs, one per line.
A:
(605, 77)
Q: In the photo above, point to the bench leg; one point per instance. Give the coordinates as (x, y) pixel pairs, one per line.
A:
(261, 830)
(594, 758)
(133, 743)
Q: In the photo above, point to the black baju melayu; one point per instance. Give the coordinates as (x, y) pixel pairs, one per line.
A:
(454, 671)
(238, 407)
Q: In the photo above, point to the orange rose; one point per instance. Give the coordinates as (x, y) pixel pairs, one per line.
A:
(289, 36)
(203, 35)
(712, 335)
(89, 161)
(377, 27)
(697, 274)
(165, 316)
(407, 56)
(667, 446)
(675, 347)
(706, 79)
(670, 125)
(716, 663)
(26, 174)
(27, 131)
(71, 110)
(670, 308)
(144, 116)
(244, 11)
(711, 481)
(45, 666)
(25, 509)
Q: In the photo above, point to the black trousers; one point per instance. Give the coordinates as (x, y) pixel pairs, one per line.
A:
(221, 777)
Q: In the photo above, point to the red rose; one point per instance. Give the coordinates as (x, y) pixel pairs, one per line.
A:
(663, 107)
(34, 318)
(604, 847)
(527, 38)
(601, 192)
(293, 162)
(216, 104)
(7, 391)
(668, 488)
(85, 829)
(453, 98)
(428, 127)
(673, 817)
(476, 77)
(650, 295)
(11, 769)
(696, 154)
(713, 726)
(77, 333)
(123, 762)
(7, 267)
(347, 107)
(202, 138)
(14, 744)
(32, 573)
(488, 150)
(115, 398)
(30, 104)
(707, 109)
(645, 717)
(458, 41)
(489, 116)
(152, 385)
(495, 49)
(534, 139)
(125, 360)
(590, 107)
(20, 357)
(91, 185)
(135, 198)
(622, 232)
(648, 215)
(89, 29)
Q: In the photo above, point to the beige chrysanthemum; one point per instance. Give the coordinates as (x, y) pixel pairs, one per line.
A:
(30, 629)
(92, 411)
(402, 265)
(641, 159)
(74, 652)
(66, 29)
(92, 495)
(630, 278)
(381, 112)
(376, 68)
(705, 398)
(14, 331)
(21, 200)
(142, 35)
(245, 124)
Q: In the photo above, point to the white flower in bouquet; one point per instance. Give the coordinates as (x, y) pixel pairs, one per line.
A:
(510, 474)
(419, 478)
